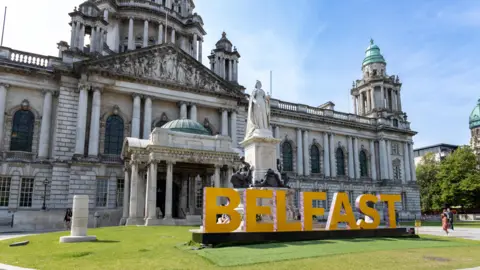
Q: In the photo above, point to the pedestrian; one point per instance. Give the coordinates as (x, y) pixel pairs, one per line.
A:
(68, 218)
(450, 218)
(445, 223)
(397, 218)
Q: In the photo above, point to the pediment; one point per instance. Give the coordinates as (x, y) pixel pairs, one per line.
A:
(166, 65)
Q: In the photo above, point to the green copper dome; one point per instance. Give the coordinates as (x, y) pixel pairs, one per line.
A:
(475, 116)
(373, 55)
(187, 126)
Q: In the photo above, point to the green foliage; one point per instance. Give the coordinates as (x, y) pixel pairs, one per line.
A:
(455, 181)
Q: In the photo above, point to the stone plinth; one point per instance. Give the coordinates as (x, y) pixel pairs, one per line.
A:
(261, 152)
(78, 232)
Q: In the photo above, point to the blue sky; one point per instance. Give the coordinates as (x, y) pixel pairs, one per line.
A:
(315, 49)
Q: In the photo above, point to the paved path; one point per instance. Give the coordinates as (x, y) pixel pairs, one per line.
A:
(459, 232)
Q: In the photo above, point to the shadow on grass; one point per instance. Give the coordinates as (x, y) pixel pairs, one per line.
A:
(265, 246)
(106, 241)
(306, 243)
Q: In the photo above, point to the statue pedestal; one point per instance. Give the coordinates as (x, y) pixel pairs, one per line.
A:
(261, 152)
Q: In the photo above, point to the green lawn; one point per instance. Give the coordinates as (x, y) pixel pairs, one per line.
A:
(161, 248)
(468, 224)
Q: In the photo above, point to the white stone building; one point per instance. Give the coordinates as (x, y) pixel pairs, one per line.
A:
(66, 119)
(440, 152)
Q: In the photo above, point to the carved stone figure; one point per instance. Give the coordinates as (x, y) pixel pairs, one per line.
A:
(258, 110)
(242, 178)
(271, 179)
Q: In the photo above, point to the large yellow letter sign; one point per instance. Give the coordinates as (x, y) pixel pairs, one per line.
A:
(281, 224)
(362, 207)
(308, 209)
(340, 200)
(252, 209)
(390, 199)
(211, 209)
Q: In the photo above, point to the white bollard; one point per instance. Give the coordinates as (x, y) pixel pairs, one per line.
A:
(78, 232)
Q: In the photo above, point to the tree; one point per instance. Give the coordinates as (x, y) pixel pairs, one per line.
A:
(459, 179)
(427, 171)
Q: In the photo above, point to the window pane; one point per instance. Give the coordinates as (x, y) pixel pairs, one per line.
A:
(315, 159)
(120, 191)
(22, 131)
(5, 190)
(114, 135)
(287, 157)
(340, 158)
(363, 164)
(102, 190)
(26, 192)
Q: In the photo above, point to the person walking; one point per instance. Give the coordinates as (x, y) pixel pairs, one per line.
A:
(450, 218)
(68, 218)
(445, 222)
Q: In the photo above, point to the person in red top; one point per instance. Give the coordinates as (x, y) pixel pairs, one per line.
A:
(444, 222)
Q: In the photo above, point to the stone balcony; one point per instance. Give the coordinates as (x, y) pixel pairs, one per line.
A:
(18, 156)
(315, 111)
(26, 59)
(152, 5)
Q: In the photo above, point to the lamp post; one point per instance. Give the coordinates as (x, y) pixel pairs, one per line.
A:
(45, 184)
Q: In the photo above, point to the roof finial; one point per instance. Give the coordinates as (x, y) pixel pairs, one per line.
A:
(224, 35)
(371, 41)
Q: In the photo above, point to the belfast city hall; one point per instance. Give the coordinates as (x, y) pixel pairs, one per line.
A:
(128, 114)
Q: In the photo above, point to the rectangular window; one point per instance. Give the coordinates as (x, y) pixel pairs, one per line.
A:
(316, 203)
(404, 201)
(26, 192)
(120, 191)
(325, 203)
(102, 191)
(5, 190)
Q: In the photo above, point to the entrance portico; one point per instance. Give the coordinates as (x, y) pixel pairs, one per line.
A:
(166, 174)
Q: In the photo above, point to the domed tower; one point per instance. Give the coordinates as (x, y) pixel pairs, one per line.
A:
(224, 59)
(474, 122)
(121, 26)
(377, 93)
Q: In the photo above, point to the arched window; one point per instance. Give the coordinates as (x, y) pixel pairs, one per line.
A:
(340, 157)
(287, 157)
(315, 159)
(114, 135)
(363, 164)
(397, 170)
(22, 131)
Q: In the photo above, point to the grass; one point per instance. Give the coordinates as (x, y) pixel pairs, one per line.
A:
(161, 248)
(460, 224)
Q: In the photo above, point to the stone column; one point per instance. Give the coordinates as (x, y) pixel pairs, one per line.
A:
(354, 101)
(131, 41)
(333, 163)
(412, 163)
(356, 157)
(389, 159)
(95, 123)
(399, 101)
(372, 98)
(230, 70)
(299, 152)
(136, 116)
(224, 122)
(160, 34)
(229, 174)
(361, 105)
(93, 40)
(168, 190)
(45, 126)
(216, 176)
(200, 42)
(152, 194)
(277, 135)
(81, 120)
(183, 109)
(306, 154)
(126, 196)
(81, 38)
(233, 127)
(236, 70)
(101, 40)
(383, 160)
(326, 156)
(351, 170)
(383, 104)
(373, 161)
(3, 99)
(133, 215)
(147, 118)
(173, 36)
(77, 35)
(194, 43)
(406, 163)
(73, 35)
(145, 33)
(193, 112)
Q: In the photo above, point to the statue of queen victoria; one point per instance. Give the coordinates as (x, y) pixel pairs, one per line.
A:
(258, 111)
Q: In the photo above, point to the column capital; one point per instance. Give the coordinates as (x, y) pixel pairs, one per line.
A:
(221, 110)
(233, 111)
(135, 95)
(148, 97)
(97, 89)
(192, 104)
(54, 92)
(5, 85)
(218, 166)
(180, 103)
(170, 162)
(134, 162)
(126, 166)
(82, 87)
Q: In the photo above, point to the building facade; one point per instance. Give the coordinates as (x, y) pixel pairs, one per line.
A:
(128, 114)
(440, 151)
(474, 124)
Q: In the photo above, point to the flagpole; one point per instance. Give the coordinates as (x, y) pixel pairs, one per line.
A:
(3, 28)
